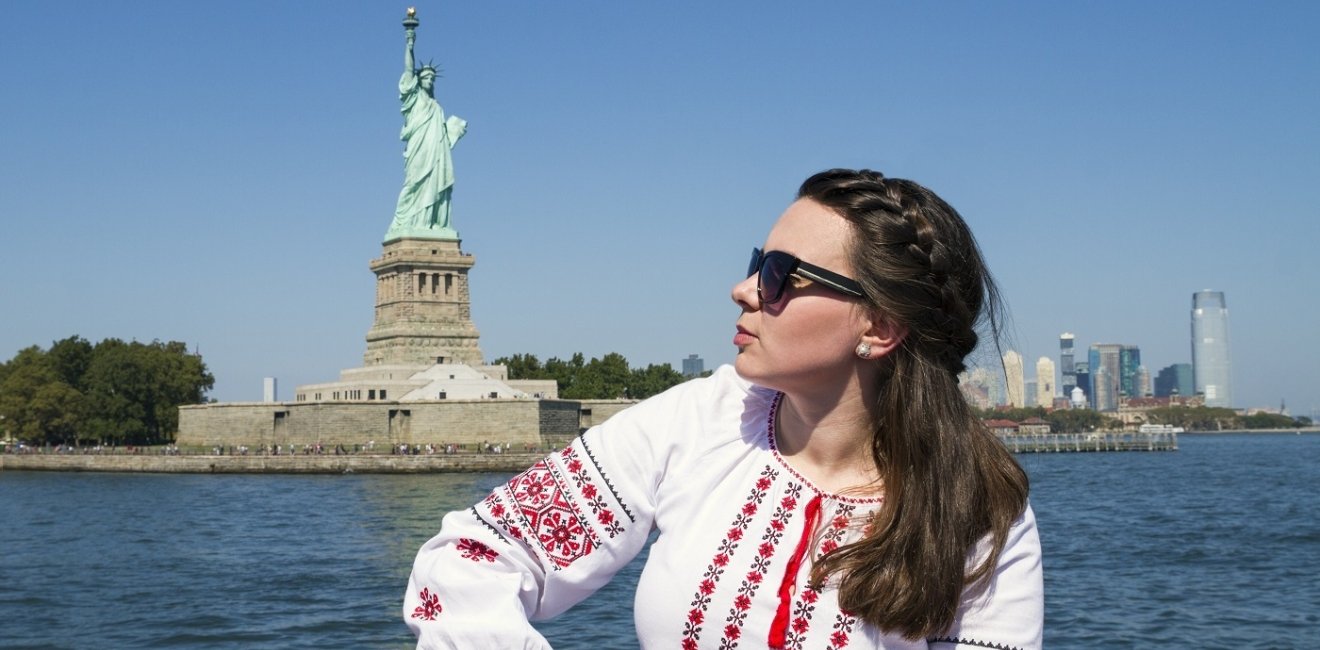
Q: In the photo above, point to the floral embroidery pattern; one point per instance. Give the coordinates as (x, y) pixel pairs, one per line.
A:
(802, 612)
(430, 607)
(606, 479)
(502, 515)
(476, 551)
(774, 532)
(843, 625)
(557, 507)
(837, 531)
(715, 570)
(594, 499)
(806, 605)
(551, 515)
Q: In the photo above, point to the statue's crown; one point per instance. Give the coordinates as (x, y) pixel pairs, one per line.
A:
(429, 65)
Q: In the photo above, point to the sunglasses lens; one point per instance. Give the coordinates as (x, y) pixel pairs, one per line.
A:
(774, 270)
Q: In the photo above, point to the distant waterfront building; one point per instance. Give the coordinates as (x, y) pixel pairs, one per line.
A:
(1143, 382)
(1015, 385)
(1045, 382)
(1029, 394)
(977, 386)
(1106, 389)
(1067, 371)
(1129, 365)
(1106, 375)
(1082, 373)
(1077, 398)
(693, 365)
(1175, 380)
(269, 390)
(1211, 364)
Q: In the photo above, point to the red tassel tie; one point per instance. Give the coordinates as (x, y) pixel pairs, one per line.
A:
(779, 629)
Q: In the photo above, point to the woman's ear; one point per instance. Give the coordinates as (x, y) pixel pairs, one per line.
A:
(882, 336)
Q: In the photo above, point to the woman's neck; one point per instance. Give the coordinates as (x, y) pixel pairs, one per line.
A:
(829, 440)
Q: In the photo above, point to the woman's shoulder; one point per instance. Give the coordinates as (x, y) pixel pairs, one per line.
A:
(697, 412)
(722, 393)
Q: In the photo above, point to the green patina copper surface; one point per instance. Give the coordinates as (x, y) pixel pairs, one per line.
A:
(428, 166)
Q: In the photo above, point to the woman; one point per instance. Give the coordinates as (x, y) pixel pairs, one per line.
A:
(833, 489)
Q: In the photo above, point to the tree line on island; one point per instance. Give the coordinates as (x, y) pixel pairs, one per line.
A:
(607, 377)
(110, 393)
(128, 393)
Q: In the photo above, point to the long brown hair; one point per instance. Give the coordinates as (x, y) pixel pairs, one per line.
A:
(948, 481)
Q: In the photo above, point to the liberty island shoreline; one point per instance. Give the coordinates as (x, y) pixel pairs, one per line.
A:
(155, 462)
(262, 464)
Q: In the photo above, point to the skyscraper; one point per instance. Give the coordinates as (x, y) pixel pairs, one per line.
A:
(1106, 375)
(1016, 385)
(693, 365)
(1210, 358)
(1129, 366)
(1082, 371)
(1066, 368)
(1045, 382)
(1175, 380)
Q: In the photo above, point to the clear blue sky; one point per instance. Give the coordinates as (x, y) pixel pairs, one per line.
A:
(222, 173)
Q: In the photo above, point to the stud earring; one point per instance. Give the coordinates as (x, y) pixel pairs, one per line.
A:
(864, 350)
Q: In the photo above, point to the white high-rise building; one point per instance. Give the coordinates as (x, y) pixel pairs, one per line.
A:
(1045, 382)
(1210, 359)
(1016, 385)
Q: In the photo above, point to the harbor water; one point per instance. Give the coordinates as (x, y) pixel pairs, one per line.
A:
(1216, 545)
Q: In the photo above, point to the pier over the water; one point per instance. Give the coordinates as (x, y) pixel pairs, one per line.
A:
(1093, 441)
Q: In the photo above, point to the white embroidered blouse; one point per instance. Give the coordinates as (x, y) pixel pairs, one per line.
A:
(738, 530)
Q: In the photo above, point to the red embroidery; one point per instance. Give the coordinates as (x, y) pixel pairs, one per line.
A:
(774, 534)
(761, 563)
(553, 505)
(802, 612)
(430, 606)
(843, 624)
(577, 470)
(715, 570)
(795, 630)
(476, 551)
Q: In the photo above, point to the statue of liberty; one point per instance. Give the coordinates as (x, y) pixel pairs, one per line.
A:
(428, 166)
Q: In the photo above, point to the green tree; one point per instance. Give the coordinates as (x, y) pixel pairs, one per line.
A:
(38, 406)
(1195, 418)
(134, 390)
(1078, 421)
(603, 378)
(523, 366)
(70, 358)
(653, 379)
(565, 373)
(1267, 421)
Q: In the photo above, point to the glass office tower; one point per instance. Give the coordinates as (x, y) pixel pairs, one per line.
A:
(1210, 358)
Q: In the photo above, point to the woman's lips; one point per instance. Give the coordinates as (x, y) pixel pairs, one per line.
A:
(743, 338)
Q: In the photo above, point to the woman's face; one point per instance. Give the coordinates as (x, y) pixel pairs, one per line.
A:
(806, 340)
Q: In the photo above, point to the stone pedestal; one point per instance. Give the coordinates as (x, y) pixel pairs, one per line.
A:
(423, 307)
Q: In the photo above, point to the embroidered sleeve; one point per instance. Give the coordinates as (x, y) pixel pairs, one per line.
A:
(540, 543)
(1009, 613)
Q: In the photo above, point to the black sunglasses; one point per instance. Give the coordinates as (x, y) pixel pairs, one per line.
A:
(774, 267)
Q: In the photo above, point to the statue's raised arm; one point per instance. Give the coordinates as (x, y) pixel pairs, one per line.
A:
(410, 35)
(428, 169)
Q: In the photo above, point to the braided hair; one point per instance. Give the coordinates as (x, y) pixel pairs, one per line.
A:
(948, 481)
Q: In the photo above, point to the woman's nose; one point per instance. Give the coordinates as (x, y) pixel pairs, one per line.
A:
(744, 294)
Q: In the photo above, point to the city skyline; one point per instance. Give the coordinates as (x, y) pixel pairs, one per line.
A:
(222, 173)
